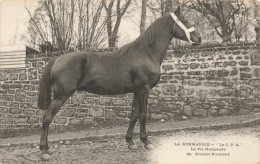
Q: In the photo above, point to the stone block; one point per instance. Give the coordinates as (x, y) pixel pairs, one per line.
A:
(19, 120)
(33, 94)
(13, 77)
(35, 82)
(194, 73)
(32, 74)
(60, 120)
(243, 63)
(81, 115)
(119, 102)
(169, 90)
(167, 67)
(194, 65)
(245, 76)
(8, 97)
(6, 120)
(15, 110)
(182, 66)
(217, 64)
(69, 112)
(29, 87)
(239, 58)
(229, 63)
(31, 99)
(189, 91)
(194, 83)
(204, 65)
(15, 104)
(11, 91)
(234, 72)
(23, 77)
(228, 92)
(3, 77)
(3, 110)
(255, 59)
(121, 114)
(25, 105)
(32, 120)
(118, 108)
(257, 72)
(83, 109)
(110, 114)
(20, 96)
(96, 111)
(236, 52)
(105, 101)
(29, 112)
(222, 73)
(16, 86)
(155, 92)
(5, 86)
(211, 84)
(40, 63)
(77, 98)
(76, 121)
(227, 84)
(6, 104)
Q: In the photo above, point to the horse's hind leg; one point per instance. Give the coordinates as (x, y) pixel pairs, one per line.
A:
(133, 118)
(47, 119)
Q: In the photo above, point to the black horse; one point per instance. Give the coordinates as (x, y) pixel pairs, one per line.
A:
(134, 68)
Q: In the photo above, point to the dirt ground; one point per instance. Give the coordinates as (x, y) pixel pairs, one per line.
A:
(114, 150)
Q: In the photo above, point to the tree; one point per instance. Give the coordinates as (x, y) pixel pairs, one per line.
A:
(66, 24)
(257, 17)
(220, 13)
(120, 11)
(143, 16)
(53, 22)
(91, 27)
(241, 25)
(61, 18)
(38, 28)
(160, 6)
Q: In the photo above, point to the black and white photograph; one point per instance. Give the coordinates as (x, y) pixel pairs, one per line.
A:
(130, 81)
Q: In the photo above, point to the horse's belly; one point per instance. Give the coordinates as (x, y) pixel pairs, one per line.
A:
(108, 85)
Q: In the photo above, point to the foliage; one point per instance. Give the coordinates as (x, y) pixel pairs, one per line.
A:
(54, 24)
(220, 13)
(118, 14)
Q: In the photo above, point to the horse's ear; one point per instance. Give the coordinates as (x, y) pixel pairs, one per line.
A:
(178, 11)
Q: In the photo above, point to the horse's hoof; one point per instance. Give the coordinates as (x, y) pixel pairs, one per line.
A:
(46, 157)
(149, 146)
(132, 147)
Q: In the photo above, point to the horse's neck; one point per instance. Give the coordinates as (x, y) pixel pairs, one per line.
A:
(160, 46)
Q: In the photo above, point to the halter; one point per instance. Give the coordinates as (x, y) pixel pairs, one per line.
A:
(186, 30)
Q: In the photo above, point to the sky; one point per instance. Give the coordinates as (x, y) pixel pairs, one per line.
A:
(14, 22)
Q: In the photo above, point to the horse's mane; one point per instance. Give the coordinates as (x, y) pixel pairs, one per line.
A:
(147, 37)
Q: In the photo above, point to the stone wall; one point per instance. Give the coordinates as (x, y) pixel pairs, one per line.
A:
(204, 81)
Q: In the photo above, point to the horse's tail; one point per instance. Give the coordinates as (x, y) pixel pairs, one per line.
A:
(44, 98)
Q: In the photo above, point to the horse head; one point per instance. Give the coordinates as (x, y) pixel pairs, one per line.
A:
(183, 30)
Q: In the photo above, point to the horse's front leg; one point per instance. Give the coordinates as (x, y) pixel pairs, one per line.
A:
(133, 118)
(143, 99)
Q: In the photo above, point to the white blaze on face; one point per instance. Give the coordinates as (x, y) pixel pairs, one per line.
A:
(186, 30)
